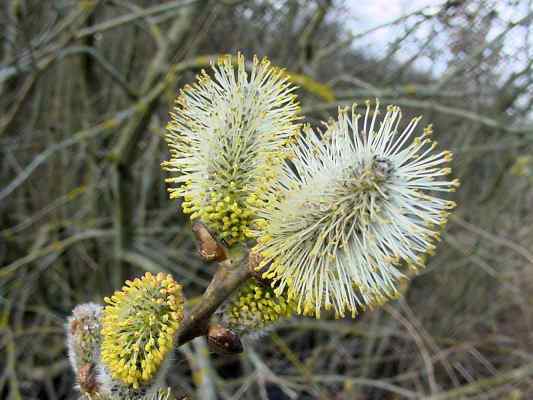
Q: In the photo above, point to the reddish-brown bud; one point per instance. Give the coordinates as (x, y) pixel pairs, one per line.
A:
(223, 341)
(208, 248)
(87, 379)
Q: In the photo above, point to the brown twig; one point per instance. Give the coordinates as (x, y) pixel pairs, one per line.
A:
(124, 150)
(228, 277)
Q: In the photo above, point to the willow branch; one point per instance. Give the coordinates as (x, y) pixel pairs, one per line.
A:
(105, 127)
(39, 59)
(308, 34)
(140, 13)
(484, 385)
(124, 151)
(228, 277)
(429, 105)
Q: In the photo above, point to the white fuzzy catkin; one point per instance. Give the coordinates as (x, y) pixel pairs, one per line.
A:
(83, 335)
(352, 210)
(227, 139)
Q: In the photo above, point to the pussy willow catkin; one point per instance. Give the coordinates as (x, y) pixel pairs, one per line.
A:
(139, 326)
(356, 205)
(227, 138)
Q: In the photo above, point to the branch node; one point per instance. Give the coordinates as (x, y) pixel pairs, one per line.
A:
(208, 247)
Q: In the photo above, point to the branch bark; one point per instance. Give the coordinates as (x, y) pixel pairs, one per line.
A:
(228, 277)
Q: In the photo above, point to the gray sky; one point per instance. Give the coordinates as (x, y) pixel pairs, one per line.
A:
(367, 14)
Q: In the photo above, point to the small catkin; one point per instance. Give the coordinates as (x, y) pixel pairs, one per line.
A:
(83, 343)
(254, 308)
(139, 326)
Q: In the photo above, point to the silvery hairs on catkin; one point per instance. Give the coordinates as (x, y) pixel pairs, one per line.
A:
(227, 140)
(83, 344)
(352, 210)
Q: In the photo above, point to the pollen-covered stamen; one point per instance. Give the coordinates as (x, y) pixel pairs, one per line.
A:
(254, 307)
(139, 324)
(227, 139)
(353, 208)
(356, 196)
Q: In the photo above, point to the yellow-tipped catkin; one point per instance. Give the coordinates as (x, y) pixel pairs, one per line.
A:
(254, 307)
(228, 138)
(139, 326)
